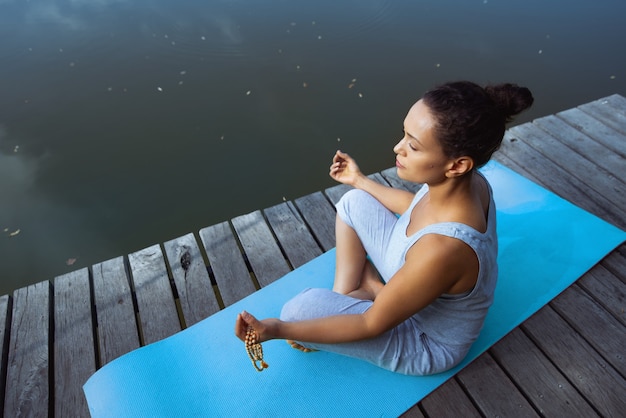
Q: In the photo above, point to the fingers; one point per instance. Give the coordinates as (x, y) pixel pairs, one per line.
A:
(244, 320)
(249, 319)
(240, 328)
(339, 163)
(340, 156)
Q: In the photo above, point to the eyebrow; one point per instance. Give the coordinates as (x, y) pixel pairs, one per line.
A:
(412, 137)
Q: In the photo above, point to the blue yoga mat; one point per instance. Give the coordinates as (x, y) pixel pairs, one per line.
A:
(546, 243)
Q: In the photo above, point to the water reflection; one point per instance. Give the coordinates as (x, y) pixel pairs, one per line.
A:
(137, 122)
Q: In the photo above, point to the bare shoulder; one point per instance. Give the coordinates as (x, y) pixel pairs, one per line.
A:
(448, 260)
(437, 247)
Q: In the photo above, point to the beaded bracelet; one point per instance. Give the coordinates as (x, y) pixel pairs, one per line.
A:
(255, 350)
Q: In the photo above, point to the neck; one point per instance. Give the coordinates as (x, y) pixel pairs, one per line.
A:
(451, 188)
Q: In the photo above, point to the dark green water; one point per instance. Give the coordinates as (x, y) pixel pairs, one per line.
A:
(124, 124)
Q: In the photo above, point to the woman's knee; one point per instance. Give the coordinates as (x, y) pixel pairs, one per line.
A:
(353, 200)
(302, 306)
(319, 302)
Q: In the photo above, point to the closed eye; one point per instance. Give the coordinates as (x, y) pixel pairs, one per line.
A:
(410, 140)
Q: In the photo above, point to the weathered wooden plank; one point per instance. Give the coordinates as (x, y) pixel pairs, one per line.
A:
(576, 165)
(4, 345)
(544, 386)
(231, 274)
(610, 110)
(334, 193)
(155, 301)
(413, 412)
(601, 330)
(74, 349)
(193, 284)
(499, 397)
(616, 262)
(117, 325)
(319, 214)
(557, 180)
(264, 255)
(607, 290)
(609, 162)
(596, 380)
(595, 129)
(27, 390)
(449, 400)
(292, 233)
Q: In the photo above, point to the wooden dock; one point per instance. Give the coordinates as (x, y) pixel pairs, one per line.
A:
(568, 360)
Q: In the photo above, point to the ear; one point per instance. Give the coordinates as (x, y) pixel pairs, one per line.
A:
(460, 166)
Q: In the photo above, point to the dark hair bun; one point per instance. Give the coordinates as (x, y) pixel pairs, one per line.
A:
(511, 99)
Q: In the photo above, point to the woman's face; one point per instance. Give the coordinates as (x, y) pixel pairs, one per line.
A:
(419, 155)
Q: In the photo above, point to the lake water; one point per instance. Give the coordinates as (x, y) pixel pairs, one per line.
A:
(128, 123)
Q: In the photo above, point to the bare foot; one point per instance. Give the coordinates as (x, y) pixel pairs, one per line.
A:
(300, 347)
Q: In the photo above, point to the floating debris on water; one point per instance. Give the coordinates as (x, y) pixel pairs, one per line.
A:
(183, 72)
(361, 95)
(612, 77)
(437, 65)
(159, 89)
(16, 149)
(14, 233)
(541, 51)
(203, 38)
(70, 261)
(248, 92)
(338, 139)
(305, 85)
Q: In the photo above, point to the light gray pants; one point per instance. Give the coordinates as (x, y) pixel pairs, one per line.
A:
(405, 348)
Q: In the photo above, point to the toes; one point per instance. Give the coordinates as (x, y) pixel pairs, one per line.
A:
(300, 347)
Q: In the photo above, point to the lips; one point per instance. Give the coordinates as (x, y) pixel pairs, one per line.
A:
(398, 164)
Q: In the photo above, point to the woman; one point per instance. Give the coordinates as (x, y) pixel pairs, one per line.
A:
(411, 292)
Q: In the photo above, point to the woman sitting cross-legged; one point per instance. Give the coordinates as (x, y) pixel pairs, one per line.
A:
(411, 293)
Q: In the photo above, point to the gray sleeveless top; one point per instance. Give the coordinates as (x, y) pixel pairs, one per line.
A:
(454, 320)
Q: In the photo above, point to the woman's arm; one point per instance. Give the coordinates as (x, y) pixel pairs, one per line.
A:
(427, 273)
(345, 170)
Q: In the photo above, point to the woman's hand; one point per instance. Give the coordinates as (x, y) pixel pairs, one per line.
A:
(344, 169)
(265, 330)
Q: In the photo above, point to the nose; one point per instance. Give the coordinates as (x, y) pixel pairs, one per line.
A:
(399, 146)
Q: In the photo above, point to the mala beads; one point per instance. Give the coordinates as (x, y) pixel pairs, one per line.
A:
(255, 350)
